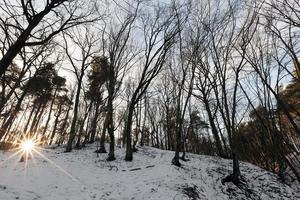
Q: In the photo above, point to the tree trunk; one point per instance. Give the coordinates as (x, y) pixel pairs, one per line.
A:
(127, 130)
(94, 125)
(236, 168)
(73, 125)
(102, 139)
(111, 154)
(86, 114)
(214, 130)
(14, 49)
(64, 125)
(179, 121)
(168, 128)
(144, 121)
(50, 112)
(35, 118)
(77, 145)
(12, 115)
(29, 119)
(39, 118)
(13, 88)
(55, 124)
(110, 115)
(175, 160)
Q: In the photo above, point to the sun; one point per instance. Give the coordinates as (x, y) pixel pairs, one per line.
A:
(27, 145)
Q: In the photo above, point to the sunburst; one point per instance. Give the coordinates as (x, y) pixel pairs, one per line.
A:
(28, 145)
(28, 148)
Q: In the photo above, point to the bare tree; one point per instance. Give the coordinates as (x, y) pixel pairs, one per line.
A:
(159, 36)
(226, 51)
(42, 23)
(183, 78)
(85, 44)
(116, 44)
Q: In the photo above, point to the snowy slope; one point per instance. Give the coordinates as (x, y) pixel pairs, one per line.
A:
(80, 175)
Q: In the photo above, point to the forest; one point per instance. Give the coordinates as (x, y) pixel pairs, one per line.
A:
(218, 78)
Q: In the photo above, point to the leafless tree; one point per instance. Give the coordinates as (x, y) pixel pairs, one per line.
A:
(28, 23)
(120, 54)
(85, 41)
(160, 33)
(226, 55)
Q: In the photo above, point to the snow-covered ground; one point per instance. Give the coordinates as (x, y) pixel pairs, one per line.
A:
(80, 175)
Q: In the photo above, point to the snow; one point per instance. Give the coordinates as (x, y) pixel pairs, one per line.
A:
(80, 175)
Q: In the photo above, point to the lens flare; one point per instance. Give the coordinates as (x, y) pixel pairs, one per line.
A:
(27, 145)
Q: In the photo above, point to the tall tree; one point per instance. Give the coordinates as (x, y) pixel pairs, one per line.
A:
(120, 57)
(159, 36)
(41, 23)
(85, 44)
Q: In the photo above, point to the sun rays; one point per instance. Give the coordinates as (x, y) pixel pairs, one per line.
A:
(29, 156)
(27, 145)
(29, 149)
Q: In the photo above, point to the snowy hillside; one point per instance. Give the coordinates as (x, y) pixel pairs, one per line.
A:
(80, 175)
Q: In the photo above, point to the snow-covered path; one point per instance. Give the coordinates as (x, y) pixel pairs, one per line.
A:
(80, 175)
